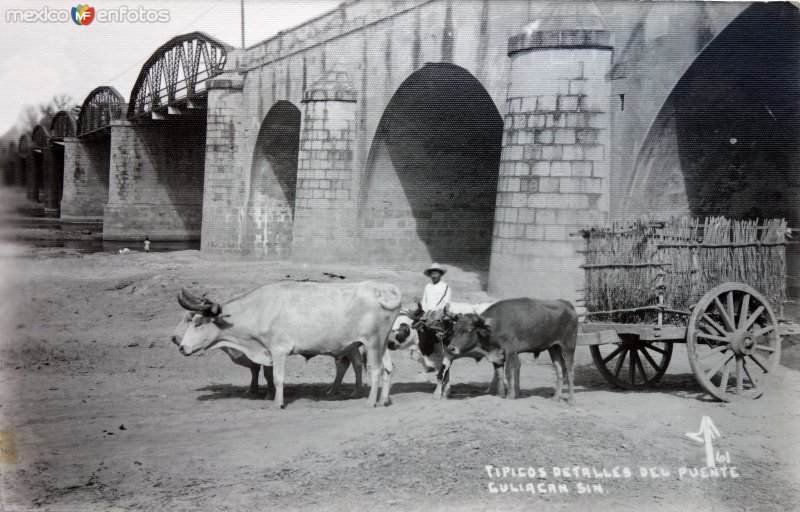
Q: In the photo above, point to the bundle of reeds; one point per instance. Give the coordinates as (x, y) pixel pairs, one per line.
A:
(629, 265)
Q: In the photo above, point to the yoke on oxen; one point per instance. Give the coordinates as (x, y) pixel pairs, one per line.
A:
(439, 321)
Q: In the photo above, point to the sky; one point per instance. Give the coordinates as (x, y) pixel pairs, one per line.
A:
(45, 59)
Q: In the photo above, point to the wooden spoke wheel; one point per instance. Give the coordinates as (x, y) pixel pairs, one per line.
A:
(632, 363)
(733, 342)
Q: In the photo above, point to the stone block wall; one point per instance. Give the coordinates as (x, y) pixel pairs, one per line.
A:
(554, 171)
(86, 165)
(324, 224)
(156, 180)
(224, 192)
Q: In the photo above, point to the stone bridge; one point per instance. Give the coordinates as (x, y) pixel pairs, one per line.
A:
(473, 133)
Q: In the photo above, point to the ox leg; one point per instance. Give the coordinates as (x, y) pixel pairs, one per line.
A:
(270, 382)
(444, 373)
(376, 369)
(279, 374)
(342, 364)
(437, 393)
(499, 370)
(569, 360)
(558, 363)
(255, 369)
(358, 368)
(386, 384)
(446, 383)
(512, 375)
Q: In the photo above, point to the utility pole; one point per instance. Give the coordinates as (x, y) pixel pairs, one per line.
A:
(242, 10)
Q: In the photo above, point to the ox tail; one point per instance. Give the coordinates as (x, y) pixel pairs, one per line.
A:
(388, 296)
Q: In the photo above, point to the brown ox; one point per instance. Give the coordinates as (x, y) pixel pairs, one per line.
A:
(513, 326)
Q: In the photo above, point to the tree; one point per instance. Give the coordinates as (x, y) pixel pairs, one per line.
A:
(44, 113)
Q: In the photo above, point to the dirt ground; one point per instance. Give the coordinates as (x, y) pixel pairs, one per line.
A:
(100, 412)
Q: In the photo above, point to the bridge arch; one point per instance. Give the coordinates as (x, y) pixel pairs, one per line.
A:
(62, 126)
(87, 158)
(100, 107)
(273, 181)
(175, 74)
(430, 183)
(727, 139)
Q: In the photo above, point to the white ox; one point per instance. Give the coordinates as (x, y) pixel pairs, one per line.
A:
(274, 321)
(342, 362)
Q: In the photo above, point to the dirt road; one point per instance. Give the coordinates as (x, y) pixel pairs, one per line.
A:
(100, 412)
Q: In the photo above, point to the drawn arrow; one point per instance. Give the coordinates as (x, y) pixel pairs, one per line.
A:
(708, 432)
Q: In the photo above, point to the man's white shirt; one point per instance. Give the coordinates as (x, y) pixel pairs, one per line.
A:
(435, 296)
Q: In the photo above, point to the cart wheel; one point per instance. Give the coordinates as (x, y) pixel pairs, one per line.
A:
(733, 342)
(646, 361)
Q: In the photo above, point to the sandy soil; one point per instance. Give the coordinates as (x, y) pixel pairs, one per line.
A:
(100, 412)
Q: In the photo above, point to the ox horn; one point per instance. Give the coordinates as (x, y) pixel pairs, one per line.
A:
(193, 303)
(188, 305)
(190, 297)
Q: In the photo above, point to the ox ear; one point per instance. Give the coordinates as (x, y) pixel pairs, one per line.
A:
(221, 321)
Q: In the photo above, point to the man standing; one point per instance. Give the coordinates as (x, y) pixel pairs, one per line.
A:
(437, 293)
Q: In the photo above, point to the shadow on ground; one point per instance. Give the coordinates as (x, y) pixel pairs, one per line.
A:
(587, 379)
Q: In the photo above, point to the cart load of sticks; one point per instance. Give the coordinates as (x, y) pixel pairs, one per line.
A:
(637, 272)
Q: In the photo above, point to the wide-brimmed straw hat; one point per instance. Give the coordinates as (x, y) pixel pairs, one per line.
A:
(433, 267)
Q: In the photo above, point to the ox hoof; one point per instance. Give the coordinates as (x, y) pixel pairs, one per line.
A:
(556, 399)
(387, 402)
(571, 402)
(333, 391)
(355, 394)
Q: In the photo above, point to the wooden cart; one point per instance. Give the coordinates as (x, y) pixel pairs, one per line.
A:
(717, 285)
